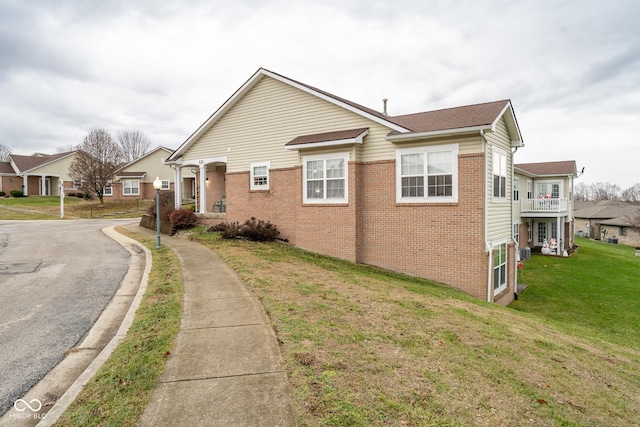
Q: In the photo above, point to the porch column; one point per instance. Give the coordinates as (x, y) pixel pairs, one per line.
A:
(25, 184)
(177, 186)
(560, 236)
(203, 188)
(43, 185)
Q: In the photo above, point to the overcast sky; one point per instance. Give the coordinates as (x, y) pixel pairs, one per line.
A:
(571, 68)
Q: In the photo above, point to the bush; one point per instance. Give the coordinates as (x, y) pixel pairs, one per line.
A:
(80, 195)
(2, 193)
(16, 193)
(183, 218)
(252, 229)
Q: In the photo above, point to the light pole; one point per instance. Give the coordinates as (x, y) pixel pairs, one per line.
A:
(157, 184)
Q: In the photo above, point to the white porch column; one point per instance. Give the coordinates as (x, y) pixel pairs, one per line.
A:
(25, 184)
(203, 188)
(43, 185)
(177, 186)
(560, 236)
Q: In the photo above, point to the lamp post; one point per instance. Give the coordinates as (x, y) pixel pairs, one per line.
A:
(157, 184)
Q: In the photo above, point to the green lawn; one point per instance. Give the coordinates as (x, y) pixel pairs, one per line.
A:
(48, 207)
(595, 292)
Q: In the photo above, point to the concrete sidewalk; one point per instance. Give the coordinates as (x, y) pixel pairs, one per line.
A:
(225, 368)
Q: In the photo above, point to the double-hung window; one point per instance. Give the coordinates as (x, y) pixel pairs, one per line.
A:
(131, 187)
(325, 178)
(259, 175)
(107, 190)
(499, 173)
(516, 189)
(165, 184)
(499, 267)
(427, 174)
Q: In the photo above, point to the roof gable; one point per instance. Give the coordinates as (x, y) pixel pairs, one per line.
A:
(472, 118)
(27, 163)
(6, 168)
(145, 155)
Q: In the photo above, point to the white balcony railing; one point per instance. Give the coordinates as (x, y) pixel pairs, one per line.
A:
(545, 205)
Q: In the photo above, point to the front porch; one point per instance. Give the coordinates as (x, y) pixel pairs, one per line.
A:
(207, 190)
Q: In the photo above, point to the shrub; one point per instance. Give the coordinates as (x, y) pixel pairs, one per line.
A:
(2, 193)
(79, 194)
(183, 218)
(16, 193)
(252, 229)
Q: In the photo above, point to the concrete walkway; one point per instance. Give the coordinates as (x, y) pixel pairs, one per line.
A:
(225, 368)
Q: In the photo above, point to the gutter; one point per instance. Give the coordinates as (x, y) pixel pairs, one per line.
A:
(487, 244)
(516, 244)
(411, 136)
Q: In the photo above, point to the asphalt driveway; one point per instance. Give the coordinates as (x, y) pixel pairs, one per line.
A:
(56, 277)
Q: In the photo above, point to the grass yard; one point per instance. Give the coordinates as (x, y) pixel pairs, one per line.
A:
(595, 293)
(48, 207)
(366, 347)
(119, 393)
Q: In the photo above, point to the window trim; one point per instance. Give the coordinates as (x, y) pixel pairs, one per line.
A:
(324, 157)
(124, 187)
(252, 185)
(104, 190)
(499, 153)
(425, 150)
(516, 189)
(168, 184)
(504, 263)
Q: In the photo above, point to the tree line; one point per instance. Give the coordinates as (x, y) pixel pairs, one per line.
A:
(606, 191)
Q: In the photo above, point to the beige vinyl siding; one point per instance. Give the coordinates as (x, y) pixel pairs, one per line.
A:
(499, 223)
(56, 168)
(517, 206)
(268, 116)
(152, 165)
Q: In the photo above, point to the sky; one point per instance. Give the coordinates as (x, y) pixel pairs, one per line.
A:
(571, 68)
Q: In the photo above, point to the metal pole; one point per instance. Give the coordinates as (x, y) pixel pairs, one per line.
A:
(157, 219)
(61, 199)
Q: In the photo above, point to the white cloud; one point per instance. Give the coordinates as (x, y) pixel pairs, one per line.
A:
(570, 68)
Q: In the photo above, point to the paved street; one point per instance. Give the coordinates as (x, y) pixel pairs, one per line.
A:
(56, 277)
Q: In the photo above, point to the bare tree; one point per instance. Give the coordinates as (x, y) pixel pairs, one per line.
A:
(633, 218)
(96, 162)
(134, 144)
(65, 148)
(581, 192)
(4, 153)
(631, 194)
(604, 191)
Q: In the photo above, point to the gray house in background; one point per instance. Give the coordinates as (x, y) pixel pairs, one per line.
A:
(607, 219)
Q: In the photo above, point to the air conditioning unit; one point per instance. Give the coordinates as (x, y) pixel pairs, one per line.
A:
(525, 253)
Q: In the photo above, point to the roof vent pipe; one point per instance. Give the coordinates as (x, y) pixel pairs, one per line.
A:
(384, 103)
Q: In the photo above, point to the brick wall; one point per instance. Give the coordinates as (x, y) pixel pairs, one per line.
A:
(443, 242)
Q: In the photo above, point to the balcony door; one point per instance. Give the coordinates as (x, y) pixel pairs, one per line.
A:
(548, 190)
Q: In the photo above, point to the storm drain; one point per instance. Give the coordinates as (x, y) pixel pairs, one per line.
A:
(20, 267)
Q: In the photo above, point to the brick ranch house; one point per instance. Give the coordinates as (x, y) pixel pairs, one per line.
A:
(38, 174)
(427, 194)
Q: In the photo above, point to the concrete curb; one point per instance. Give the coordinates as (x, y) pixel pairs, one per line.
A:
(132, 277)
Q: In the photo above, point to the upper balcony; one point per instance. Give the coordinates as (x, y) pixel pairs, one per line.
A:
(544, 206)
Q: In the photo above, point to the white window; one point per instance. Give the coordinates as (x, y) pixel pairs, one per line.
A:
(427, 174)
(529, 231)
(542, 231)
(166, 184)
(259, 175)
(77, 183)
(107, 190)
(516, 233)
(516, 189)
(325, 178)
(499, 267)
(499, 173)
(131, 187)
(529, 190)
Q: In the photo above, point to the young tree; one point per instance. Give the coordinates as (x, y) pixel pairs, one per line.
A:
(96, 162)
(4, 153)
(134, 144)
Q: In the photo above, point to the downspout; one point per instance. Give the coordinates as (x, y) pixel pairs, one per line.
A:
(486, 215)
(516, 244)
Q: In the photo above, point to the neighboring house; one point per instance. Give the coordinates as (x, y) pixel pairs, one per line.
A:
(543, 204)
(38, 174)
(608, 219)
(428, 194)
(135, 180)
